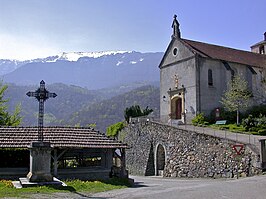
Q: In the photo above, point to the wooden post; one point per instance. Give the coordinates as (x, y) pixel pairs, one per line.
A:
(55, 162)
(56, 157)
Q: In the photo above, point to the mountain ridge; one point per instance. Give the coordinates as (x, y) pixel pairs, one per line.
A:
(100, 70)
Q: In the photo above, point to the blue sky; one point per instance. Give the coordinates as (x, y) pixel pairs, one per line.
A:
(39, 28)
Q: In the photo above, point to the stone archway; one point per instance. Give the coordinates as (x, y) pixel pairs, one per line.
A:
(160, 160)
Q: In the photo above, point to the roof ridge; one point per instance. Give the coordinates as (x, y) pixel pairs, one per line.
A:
(229, 54)
(259, 43)
(193, 47)
(216, 45)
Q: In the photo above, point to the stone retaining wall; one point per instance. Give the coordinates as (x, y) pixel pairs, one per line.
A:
(187, 153)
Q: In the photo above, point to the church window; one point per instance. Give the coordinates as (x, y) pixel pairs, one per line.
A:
(175, 51)
(210, 78)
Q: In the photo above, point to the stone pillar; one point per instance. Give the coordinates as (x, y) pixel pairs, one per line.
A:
(40, 162)
(124, 173)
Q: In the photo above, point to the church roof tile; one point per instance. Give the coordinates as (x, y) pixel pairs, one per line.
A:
(226, 54)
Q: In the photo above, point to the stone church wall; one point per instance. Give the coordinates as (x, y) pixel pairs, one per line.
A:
(210, 96)
(187, 153)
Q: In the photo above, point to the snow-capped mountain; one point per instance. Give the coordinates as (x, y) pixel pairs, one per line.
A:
(87, 69)
(74, 56)
(7, 65)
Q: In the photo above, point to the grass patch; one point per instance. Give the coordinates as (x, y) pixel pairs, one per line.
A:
(74, 186)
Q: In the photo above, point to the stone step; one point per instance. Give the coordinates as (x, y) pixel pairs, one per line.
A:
(24, 182)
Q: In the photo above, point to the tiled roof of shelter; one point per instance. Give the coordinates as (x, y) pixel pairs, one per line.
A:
(226, 54)
(61, 137)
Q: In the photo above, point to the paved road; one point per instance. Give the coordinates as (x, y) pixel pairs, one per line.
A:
(165, 188)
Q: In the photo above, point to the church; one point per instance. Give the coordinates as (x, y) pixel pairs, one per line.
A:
(194, 76)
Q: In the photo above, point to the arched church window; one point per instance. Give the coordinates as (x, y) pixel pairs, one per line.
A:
(210, 78)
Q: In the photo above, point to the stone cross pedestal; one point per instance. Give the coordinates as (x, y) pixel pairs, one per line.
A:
(40, 161)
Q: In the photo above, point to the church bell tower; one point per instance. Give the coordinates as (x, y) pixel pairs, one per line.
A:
(260, 47)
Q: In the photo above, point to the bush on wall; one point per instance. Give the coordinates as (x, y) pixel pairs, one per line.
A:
(113, 130)
(257, 124)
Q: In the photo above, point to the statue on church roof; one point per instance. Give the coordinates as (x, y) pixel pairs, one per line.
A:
(176, 30)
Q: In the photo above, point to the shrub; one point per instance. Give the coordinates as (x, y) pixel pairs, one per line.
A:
(224, 127)
(261, 121)
(256, 111)
(200, 120)
(249, 122)
(254, 124)
(262, 132)
(224, 115)
(113, 130)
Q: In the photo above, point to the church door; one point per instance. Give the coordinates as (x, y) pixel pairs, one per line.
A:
(178, 108)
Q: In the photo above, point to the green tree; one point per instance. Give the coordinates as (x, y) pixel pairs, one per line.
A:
(7, 119)
(237, 96)
(136, 111)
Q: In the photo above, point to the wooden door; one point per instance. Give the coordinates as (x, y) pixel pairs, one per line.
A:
(178, 108)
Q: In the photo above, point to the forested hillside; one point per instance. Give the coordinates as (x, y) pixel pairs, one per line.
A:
(79, 106)
(111, 111)
(68, 100)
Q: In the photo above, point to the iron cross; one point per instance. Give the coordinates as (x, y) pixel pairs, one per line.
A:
(41, 94)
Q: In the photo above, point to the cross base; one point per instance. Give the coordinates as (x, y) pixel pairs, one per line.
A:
(24, 182)
(40, 161)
